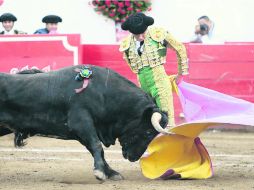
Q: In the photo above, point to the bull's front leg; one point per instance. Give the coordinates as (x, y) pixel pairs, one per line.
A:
(82, 125)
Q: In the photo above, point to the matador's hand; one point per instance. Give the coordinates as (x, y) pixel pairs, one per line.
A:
(179, 78)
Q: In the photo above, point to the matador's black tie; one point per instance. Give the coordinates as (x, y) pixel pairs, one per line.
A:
(139, 49)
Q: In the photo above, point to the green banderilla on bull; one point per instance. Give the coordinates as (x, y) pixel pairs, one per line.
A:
(84, 74)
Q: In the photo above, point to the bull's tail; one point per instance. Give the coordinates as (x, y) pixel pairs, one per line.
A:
(18, 138)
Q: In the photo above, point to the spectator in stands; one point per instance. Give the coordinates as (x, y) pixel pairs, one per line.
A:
(204, 31)
(201, 31)
(207, 21)
(8, 20)
(51, 24)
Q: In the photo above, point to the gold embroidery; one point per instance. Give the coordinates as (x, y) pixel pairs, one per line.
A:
(150, 55)
(164, 88)
(180, 50)
(154, 52)
(125, 44)
(157, 34)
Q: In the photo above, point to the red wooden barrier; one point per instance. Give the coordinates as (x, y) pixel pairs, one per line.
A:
(46, 52)
(226, 68)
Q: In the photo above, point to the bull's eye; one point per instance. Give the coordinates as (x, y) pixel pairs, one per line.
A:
(149, 132)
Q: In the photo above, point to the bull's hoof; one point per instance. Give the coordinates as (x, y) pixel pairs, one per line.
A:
(99, 175)
(112, 175)
(116, 177)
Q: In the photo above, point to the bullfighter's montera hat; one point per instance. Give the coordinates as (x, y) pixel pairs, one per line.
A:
(51, 19)
(137, 23)
(7, 17)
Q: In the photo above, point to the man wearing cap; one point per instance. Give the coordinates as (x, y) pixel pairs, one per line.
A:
(8, 20)
(51, 24)
(145, 52)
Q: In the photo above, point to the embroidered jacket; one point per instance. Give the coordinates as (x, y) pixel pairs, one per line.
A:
(154, 50)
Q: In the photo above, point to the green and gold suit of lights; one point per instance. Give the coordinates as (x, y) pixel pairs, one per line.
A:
(149, 66)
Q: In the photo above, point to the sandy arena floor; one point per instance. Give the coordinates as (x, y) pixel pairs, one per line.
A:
(56, 164)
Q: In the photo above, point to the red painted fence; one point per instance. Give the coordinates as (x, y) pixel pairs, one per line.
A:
(45, 52)
(227, 68)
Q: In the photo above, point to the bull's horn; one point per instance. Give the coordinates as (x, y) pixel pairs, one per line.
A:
(156, 118)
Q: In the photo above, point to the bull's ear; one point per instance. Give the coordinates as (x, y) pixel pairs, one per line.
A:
(148, 114)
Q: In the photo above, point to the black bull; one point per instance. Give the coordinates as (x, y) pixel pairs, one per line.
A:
(110, 108)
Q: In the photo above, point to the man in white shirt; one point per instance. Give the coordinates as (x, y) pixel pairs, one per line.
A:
(205, 20)
(8, 20)
(204, 31)
(201, 32)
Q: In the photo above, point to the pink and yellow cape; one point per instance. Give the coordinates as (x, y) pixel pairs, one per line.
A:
(182, 154)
